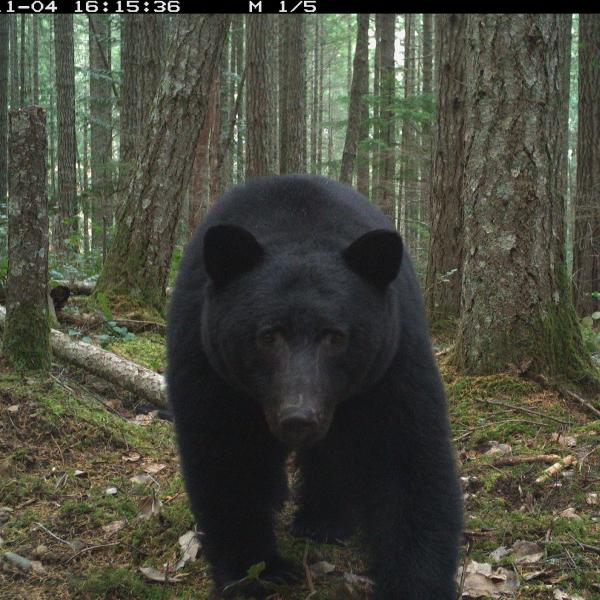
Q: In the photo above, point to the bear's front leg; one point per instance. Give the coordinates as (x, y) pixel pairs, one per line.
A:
(414, 534)
(414, 513)
(234, 487)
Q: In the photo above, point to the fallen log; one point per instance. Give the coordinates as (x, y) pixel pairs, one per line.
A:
(89, 321)
(124, 373)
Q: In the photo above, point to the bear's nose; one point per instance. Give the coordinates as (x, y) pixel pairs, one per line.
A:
(298, 423)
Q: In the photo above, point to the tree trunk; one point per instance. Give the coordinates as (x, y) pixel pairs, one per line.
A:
(444, 267)
(516, 303)
(35, 59)
(292, 147)
(408, 186)
(258, 113)
(237, 32)
(65, 89)
(143, 46)
(426, 146)
(139, 261)
(14, 61)
(199, 193)
(27, 331)
(356, 106)
(100, 128)
(384, 194)
(314, 111)
(23, 96)
(586, 243)
(4, 33)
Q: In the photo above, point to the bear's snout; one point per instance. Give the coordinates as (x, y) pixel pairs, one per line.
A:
(299, 426)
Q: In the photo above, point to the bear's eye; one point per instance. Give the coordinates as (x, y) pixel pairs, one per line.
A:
(335, 338)
(268, 338)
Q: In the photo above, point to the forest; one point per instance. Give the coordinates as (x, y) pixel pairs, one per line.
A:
(476, 135)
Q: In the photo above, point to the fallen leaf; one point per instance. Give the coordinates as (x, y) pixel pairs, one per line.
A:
(190, 546)
(569, 513)
(161, 576)
(37, 567)
(114, 526)
(560, 595)
(13, 408)
(570, 441)
(499, 553)
(527, 552)
(322, 568)
(149, 506)
(131, 457)
(141, 479)
(482, 581)
(153, 468)
(498, 449)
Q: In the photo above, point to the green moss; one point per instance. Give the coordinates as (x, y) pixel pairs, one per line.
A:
(147, 349)
(27, 337)
(116, 584)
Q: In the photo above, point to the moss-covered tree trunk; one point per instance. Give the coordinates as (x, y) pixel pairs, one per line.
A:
(516, 303)
(586, 243)
(444, 265)
(137, 266)
(27, 331)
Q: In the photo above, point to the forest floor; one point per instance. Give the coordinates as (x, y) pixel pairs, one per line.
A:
(92, 504)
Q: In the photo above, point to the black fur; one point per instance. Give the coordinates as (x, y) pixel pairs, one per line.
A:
(306, 311)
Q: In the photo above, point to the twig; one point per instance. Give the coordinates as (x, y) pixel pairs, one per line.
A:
(510, 461)
(585, 546)
(89, 549)
(54, 535)
(522, 409)
(464, 570)
(309, 577)
(581, 401)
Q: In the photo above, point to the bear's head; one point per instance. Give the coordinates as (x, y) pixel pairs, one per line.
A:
(298, 331)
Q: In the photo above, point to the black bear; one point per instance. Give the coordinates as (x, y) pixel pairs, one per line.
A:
(296, 323)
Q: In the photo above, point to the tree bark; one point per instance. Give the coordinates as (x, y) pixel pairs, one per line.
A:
(139, 261)
(408, 197)
(259, 157)
(356, 106)
(586, 243)
(516, 303)
(4, 33)
(143, 46)
(35, 59)
(292, 145)
(100, 128)
(67, 226)
(444, 266)
(14, 61)
(237, 33)
(23, 96)
(384, 194)
(27, 331)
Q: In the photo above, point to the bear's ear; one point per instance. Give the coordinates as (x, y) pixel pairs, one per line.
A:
(376, 256)
(229, 251)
